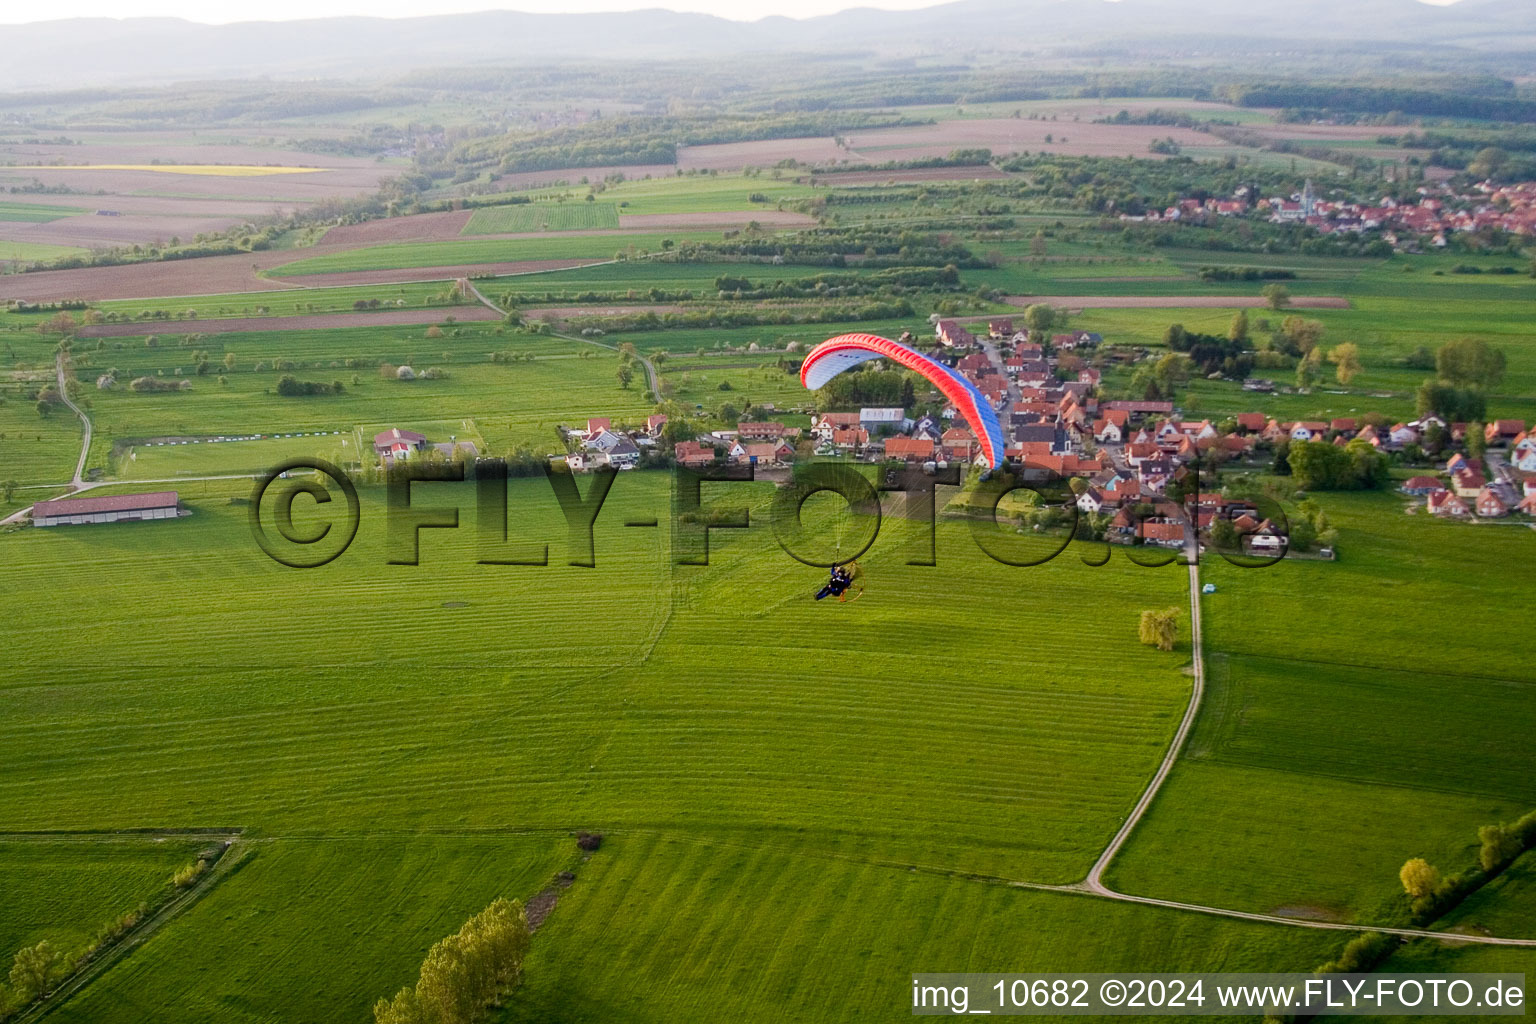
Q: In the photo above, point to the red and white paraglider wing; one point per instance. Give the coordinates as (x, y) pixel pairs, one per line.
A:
(846, 351)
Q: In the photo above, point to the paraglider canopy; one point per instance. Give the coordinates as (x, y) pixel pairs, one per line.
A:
(846, 351)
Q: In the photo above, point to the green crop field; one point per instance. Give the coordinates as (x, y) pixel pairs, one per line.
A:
(978, 740)
(502, 220)
(35, 213)
(721, 193)
(209, 457)
(750, 933)
(284, 302)
(36, 449)
(35, 252)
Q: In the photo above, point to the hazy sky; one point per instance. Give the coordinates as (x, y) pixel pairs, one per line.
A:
(14, 12)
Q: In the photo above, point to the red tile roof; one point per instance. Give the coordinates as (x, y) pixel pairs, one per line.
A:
(110, 503)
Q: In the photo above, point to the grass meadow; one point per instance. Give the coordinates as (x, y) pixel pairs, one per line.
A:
(712, 193)
(35, 252)
(401, 744)
(35, 213)
(328, 925)
(501, 220)
(64, 888)
(1326, 755)
(426, 255)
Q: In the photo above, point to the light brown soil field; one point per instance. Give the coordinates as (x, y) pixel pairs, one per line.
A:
(156, 205)
(287, 189)
(94, 232)
(210, 276)
(384, 318)
(1075, 302)
(1013, 135)
(730, 219)
(146, 204)
(219, 275)
(982, 173)
(731, 156)
(422, 226)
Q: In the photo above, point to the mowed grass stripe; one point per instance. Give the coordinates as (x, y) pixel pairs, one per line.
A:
(328, 927)
(723, 933)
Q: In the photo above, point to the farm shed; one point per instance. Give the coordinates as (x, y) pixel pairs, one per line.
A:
(116, 508)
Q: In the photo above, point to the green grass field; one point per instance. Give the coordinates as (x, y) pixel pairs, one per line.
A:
(1322, 759)
(330, 925)
(977, 739)
(35, 213)
(35, 252)
(282, 302)
(720, 193)
(803, 803)
(516, 404)
(65, 888)
(502, 220)
(438, 254)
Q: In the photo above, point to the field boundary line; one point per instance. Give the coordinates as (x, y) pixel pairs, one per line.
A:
(226, 863)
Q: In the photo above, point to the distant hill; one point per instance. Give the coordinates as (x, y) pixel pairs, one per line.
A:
(93, 52)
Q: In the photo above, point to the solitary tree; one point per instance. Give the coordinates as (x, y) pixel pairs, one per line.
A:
(1419, 878)
(1470, 362)
(1238, 331)
(1277, 295)
(36, 969)
(1160, 628)
(9, 489)
(1039, 317)
(626, 375)
(1346, 359)
(1306, 373)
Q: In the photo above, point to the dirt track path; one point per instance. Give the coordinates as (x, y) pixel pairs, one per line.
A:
(1095, 881)
(85, 444)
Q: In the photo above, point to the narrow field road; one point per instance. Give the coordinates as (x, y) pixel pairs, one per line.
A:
(85, 444)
